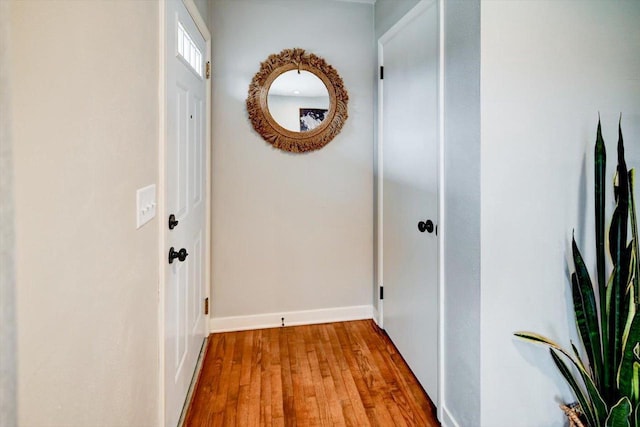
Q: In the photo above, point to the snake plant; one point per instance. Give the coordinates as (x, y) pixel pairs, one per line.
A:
(605, 378)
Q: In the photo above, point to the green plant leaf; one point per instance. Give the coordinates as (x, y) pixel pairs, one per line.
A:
(621, 170)
(628, 306)
(627, 379)
(616, 312)
(586, 312)
(593, 401)
(598, 404)
(635, 269)
(609, 287)
(536, 338)
(607, 318)
(600, 167)
(541, 339)
(609, 374)
(620, 257)
(629, 374)
(635, 382)
(620, 413)
(585, 404)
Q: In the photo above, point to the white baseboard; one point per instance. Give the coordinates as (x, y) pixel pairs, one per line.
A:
(291, 318)
(447, 418)
(376, 316)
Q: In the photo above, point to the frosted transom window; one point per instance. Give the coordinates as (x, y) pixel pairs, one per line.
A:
(188, 50)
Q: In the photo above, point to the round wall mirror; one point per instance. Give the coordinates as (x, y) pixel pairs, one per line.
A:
(297, 102)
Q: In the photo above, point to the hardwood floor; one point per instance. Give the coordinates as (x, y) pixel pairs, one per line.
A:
(335, 374)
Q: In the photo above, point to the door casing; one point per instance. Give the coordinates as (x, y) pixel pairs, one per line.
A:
(409, 16)
(162, 183)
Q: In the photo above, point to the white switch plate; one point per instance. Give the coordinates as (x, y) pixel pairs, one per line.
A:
(145, 205)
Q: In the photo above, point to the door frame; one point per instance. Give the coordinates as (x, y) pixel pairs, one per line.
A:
(420, 7)
(162, 184)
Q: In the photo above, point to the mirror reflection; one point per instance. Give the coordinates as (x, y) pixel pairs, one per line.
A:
(298, 100)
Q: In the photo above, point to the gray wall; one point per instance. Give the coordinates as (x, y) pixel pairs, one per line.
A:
(7, 248)
(290, 231)
(461, 233)
(388, 12)
(542, 89)
(85, 131)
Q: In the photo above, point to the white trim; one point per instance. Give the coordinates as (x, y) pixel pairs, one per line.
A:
(199, 21)
(421, 7)
(160, 194)
(418, 9)
(206, 34)
(442, 360)
(406, 19)
(380, 188)
(209, 177)
(162, 158)
(376, 317)
(291, 318)
(447, 418)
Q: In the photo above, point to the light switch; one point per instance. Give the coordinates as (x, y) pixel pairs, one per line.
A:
(146, 205)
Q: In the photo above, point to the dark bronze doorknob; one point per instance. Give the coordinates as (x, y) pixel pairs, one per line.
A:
(425, 226)
(172, 222)
(181, 255)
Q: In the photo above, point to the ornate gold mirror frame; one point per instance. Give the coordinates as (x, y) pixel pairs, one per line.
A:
(266, 125)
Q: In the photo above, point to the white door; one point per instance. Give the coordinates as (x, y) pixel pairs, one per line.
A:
(409, 193)
(185, 199)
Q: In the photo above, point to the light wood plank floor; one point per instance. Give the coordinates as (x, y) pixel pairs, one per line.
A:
(335, 374)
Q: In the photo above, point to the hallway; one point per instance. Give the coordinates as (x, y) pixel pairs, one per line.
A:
(346, 373)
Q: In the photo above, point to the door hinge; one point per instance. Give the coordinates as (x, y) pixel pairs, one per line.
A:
(381, 292)
(208, 69)
(381, 72)
(206, 305)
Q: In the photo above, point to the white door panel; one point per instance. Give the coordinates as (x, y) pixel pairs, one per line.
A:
(197, 175)
(184, 292)
(177, 202)
(410, 191)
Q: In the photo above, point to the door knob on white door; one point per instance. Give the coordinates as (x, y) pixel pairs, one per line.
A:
(425, 226)
(181, 255)
(172, 222)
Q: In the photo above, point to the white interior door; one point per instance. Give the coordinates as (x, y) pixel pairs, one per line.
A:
(184, 327)
(409, 193)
